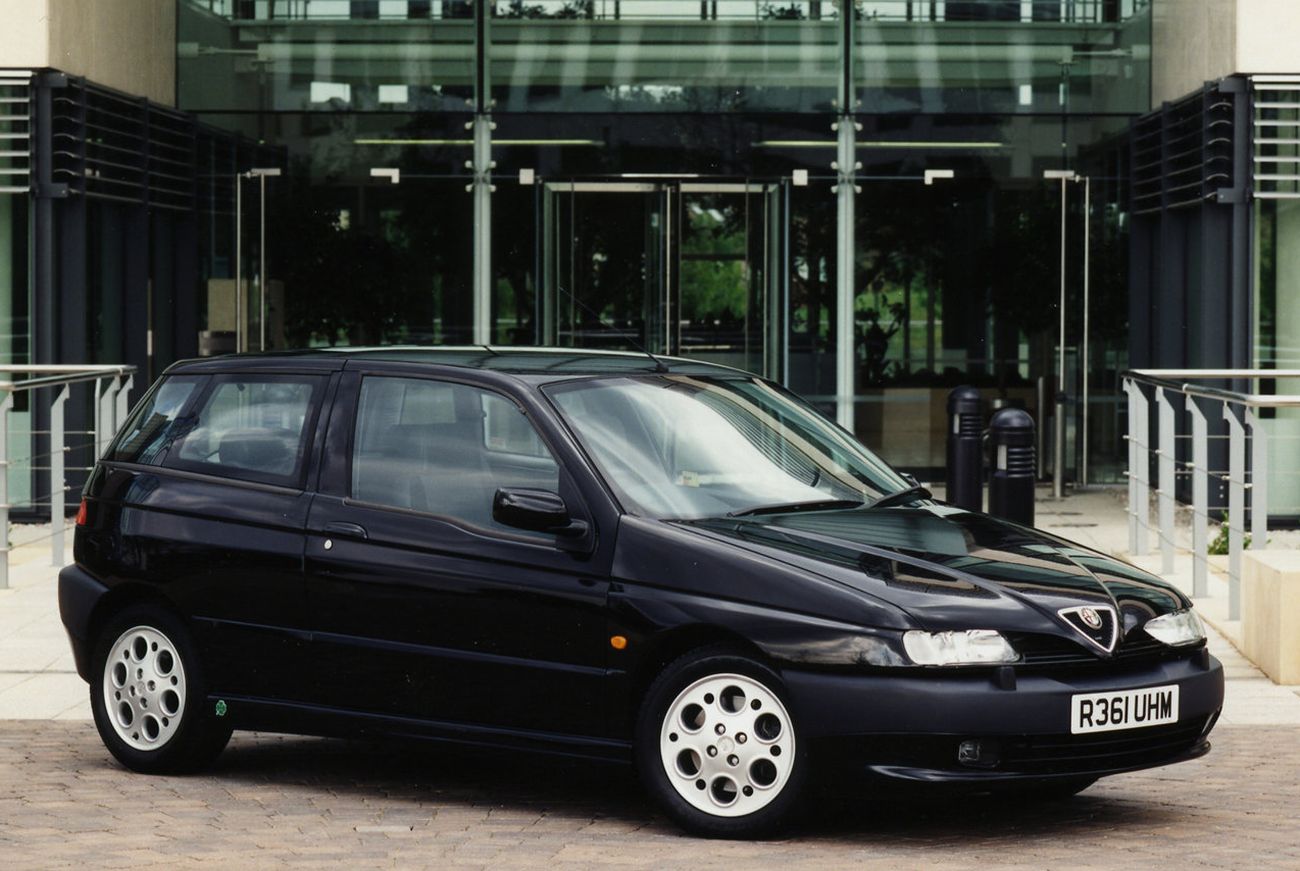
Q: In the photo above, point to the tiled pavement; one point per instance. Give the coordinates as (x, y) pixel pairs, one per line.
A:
(272, 801)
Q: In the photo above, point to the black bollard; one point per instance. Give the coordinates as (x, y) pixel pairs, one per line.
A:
(965, 454)
(1011, 483)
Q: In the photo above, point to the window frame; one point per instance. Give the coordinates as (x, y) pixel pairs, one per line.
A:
(296, 480)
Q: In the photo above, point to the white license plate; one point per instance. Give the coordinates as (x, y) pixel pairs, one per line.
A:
(1125, 709)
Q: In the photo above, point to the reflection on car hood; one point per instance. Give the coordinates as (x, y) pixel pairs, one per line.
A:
(950, 567)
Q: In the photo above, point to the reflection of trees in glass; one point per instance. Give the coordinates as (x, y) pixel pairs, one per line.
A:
(790, 12)
(715, 281)
(898, 251)
(570, 9)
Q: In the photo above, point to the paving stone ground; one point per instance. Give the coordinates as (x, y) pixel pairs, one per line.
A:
(273, 801)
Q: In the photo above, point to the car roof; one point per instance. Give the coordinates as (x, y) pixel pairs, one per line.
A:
(551, 363)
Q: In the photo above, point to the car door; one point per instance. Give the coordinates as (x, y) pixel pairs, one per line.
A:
(421, 604)
(213, 511)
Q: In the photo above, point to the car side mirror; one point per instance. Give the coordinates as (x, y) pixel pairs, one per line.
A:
(535, 511)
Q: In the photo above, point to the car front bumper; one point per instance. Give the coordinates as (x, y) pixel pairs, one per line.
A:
(911, 725)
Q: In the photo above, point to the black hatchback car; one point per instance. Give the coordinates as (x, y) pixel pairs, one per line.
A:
(608, 555)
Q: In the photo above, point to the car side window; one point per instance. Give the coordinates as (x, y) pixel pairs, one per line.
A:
(156, 423)
(444, 449)
(252, 427)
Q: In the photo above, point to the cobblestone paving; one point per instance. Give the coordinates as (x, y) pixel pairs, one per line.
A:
(274, 801)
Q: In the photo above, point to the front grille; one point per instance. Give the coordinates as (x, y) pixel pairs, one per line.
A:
(1064, 754)
(1046, 653)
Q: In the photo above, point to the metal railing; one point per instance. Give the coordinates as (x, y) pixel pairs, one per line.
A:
(1246, 417)
(1027, 11)
(108, 402)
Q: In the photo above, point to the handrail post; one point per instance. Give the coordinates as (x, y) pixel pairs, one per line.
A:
(1200, 499)
(120, 412)
(1165, 422)
(1130, 388)
(1258, 481)
(5, 405)
(98, 411)
(1236, 505)
(58, 483)
(105, 429)
(1141, 470)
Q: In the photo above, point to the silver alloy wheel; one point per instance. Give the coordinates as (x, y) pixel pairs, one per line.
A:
(727, 745)
(144, 688)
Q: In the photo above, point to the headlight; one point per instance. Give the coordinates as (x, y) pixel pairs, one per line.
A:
(1176, 629)
(972, 647)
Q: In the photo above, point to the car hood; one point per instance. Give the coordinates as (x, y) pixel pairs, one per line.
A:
(951, 568)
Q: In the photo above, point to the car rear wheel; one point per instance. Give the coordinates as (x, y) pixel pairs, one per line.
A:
(717, 747)
(148, 697)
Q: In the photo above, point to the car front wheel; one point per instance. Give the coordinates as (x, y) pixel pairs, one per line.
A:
(148, 697)
(717, 747)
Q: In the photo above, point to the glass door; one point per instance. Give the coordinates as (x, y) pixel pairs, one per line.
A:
(670, 267)
(606, 256)
(728, 305)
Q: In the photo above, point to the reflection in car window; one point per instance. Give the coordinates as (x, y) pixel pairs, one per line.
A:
(250, 427)
(153, 426)
(678, 446)
(444, 449)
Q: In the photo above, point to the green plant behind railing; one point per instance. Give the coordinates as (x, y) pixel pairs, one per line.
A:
(1219, 544)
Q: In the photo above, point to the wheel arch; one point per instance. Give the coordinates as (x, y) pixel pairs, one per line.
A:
(118, 599)
(671, 645)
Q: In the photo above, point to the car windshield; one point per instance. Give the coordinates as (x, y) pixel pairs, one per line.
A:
(686, 447)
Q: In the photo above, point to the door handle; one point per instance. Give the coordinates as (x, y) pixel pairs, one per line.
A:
(338, 527)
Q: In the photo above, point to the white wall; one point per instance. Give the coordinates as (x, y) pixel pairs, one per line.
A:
(1268, 36)
(24, 34)
(1193, 42)
(129, 45)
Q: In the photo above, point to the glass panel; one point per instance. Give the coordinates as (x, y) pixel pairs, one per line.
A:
(517, 255)
(663, 55)
(1277, 340)
(14, 238)
(1003, 56)
(325, 55)
(722, 305)
(153, 427)
(352, 258)
(445, 449)
(958, 282)
(251, 428)
(14, 330)
(607, 255)
(811, 306)
(681, 446)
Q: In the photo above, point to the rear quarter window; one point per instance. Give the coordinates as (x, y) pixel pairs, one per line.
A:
(156, 424)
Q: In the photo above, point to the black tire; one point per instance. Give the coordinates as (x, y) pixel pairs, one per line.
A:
(189, 739)
(696, 672)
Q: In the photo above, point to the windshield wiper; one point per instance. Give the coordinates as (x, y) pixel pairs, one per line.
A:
(787, 507)
(901, 497)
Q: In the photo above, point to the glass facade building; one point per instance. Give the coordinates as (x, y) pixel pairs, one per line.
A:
(849, 197)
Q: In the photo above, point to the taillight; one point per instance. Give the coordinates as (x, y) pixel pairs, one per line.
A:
(81, 513)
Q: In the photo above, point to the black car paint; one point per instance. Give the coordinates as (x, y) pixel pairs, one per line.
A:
(415, 625)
